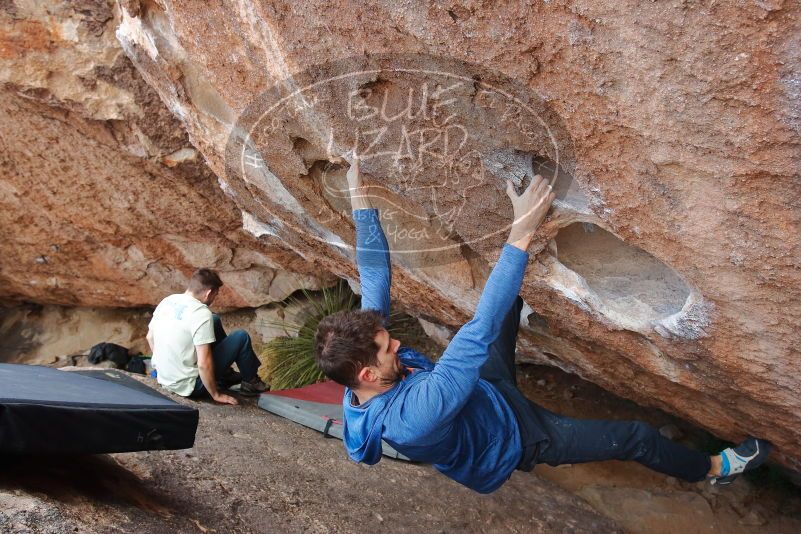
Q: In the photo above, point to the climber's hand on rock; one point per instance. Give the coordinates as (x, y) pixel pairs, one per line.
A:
(359, 193)
(354, 175)
(530, 209)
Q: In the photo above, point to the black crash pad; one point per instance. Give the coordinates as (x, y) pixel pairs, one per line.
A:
(44, 410)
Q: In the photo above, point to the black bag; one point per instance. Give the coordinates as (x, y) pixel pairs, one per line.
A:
(136, 365)
(109, 351)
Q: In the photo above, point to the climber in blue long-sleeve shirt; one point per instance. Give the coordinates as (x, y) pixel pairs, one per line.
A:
(464, 414)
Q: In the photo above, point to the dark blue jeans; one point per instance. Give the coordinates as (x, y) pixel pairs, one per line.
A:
(227, 349)
(555, 439)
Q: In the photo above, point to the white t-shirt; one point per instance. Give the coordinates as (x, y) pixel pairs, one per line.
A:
(179, 323)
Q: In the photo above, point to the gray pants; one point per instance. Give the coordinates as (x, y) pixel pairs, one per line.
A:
(556, 439)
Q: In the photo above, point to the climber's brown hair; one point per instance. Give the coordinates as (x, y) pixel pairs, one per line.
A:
(204, 279)
(345, 343)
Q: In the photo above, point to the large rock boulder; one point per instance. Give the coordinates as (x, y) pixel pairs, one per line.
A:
(105, 202)
(669, 270)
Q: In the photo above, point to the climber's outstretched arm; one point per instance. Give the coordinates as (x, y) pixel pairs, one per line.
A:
(372, 249)
(444, 391)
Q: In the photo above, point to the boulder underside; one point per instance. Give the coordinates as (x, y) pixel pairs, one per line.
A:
(668, 271)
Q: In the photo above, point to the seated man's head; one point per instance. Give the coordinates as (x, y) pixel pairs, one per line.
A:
(204, 285)
(354, 349)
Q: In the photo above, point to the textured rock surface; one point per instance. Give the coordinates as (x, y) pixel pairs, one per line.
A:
(52, 335)
(669, 272)
(103, 200)
(61, 336)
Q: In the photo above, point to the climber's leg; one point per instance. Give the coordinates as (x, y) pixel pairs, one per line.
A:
(219, 331)
(572, 441)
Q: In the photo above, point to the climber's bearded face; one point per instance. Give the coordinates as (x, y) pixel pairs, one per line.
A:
(388, 370)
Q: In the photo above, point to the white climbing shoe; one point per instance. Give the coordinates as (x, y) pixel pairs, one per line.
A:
(746, 456)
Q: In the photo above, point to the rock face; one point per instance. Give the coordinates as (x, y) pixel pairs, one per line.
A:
(669, 270)
(105, 202)
(62, 336)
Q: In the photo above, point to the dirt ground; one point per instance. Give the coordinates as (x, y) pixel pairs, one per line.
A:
(251, 471)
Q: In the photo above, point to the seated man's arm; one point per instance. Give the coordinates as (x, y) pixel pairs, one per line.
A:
(372, 249)
(205, 366)
(448, 387)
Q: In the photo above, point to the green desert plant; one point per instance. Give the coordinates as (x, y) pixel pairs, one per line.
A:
(288, 361)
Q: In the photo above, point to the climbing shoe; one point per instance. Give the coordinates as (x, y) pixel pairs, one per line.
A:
(253, 387)
(746, 456)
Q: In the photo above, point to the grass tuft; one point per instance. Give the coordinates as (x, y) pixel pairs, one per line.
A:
(288, 361)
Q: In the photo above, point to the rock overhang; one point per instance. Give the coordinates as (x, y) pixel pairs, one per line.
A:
(649, 124)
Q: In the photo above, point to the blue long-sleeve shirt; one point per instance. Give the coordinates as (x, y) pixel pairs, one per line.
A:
(442, 413)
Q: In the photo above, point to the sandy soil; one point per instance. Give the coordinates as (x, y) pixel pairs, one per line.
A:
(251, 471)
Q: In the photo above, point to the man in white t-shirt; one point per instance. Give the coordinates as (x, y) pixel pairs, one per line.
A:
(190, 348)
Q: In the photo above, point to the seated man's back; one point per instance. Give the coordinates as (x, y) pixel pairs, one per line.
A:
(179, 323)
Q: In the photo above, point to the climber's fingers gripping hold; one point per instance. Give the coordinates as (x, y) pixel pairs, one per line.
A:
(359, 192)
(354, 175)
(531, 207)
